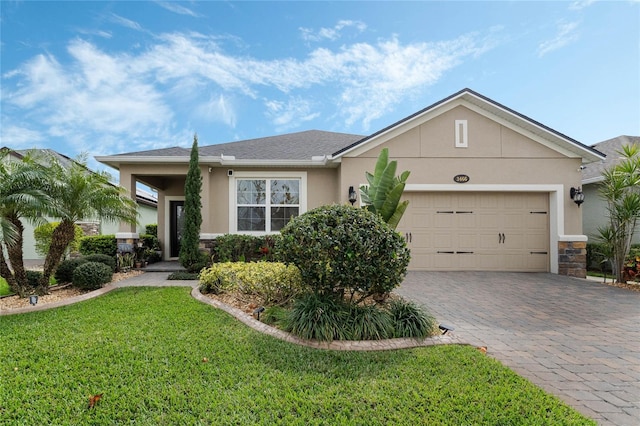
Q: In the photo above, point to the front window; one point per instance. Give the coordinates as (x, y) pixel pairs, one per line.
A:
(266, 205)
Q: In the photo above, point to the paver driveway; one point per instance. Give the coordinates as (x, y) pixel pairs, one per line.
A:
(577, 339)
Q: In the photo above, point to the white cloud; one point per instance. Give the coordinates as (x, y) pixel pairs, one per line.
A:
(176, 8)
(17, 137)
(286, 115)
(117, 19)
(114, 100)
(567, 33)
(581, 4)
(331, 33)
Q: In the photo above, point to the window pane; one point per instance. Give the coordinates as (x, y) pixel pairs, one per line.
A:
(285, 191)
(251, 191)
(251, 219)
(280, 216)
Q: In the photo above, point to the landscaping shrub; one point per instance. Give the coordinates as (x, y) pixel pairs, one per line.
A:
(183, 276)
(273, 282)
(110, 261)
(410, 320)
(99, 244)
(43, 234)
(64, 273)
(368, 322)
(92, 275)
(150, 241)
(33, 277)
(151, 229)
(204, 262)
(275, 316)
(244, 248)
(341, 249)
(318, 317)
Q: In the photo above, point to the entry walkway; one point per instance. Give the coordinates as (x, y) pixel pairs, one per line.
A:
(577, 339)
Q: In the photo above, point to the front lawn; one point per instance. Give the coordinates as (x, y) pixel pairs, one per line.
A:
(161, 358)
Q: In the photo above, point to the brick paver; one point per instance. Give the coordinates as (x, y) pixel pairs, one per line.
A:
(577, 339)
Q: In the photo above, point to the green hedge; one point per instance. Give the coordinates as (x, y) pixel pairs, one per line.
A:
(99, 244)
(244, 248)
(274, 283)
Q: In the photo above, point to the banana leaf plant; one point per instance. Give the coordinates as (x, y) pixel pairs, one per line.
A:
(382, 195)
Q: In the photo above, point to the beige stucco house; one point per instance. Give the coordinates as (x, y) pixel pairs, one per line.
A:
(489, 187)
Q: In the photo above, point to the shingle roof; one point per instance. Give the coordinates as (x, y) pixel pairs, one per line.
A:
(290, 146)
(610, 148)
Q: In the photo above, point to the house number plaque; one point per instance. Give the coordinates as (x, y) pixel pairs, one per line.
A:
(461, 178)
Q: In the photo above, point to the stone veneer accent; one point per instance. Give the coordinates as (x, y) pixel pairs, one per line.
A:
(572, 258)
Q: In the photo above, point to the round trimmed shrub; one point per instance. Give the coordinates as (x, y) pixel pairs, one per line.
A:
(64, 273)
(33, 277)
(110, 261)
(92, 275)
(340, 249)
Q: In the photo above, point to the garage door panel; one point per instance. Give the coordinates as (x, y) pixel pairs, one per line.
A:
(478, 231)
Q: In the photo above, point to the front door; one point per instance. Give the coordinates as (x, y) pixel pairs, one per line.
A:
(176, 226)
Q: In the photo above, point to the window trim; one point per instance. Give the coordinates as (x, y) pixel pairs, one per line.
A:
(233, 200)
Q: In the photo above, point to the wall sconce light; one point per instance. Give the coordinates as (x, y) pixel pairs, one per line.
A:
(33, 299)
(352, 195)
(577, 195)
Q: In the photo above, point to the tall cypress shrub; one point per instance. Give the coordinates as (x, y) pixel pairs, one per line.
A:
(189, 249)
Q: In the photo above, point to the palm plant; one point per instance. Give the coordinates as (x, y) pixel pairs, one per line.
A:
(621, 191)
(382, 195)
(78, 194)
(21, 197)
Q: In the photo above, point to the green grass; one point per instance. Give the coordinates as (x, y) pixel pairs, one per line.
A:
(144, 348)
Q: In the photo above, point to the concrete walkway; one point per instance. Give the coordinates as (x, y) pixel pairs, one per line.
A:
(577, 339)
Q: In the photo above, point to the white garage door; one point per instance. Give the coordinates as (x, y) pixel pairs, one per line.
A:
(477, 231)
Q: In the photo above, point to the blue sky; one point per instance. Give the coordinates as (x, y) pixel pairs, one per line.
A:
(114, 77)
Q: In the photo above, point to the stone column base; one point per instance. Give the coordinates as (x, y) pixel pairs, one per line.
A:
(572, 258)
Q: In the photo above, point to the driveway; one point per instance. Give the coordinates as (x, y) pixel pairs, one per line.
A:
(575, 338)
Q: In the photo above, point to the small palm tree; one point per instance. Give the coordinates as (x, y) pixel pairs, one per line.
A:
(621, 191)
(78, 194)
(21, 197)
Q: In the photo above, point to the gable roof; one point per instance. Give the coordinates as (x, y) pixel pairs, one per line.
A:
(487, 107)
(593, 172)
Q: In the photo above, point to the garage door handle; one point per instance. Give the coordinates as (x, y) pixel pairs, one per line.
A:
(501, 238)
(410, 237)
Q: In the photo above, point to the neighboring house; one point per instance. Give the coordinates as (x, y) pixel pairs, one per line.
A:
(147, 210)
(595, 213)
(489, 187)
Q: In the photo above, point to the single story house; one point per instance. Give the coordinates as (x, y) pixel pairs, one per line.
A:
(147, 211)
(595, 208)
(489, 188)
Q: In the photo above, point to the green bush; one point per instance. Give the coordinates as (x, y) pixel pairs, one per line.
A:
(410, 320)
(183, 276)
(368, 322)
(318, 317)
(341, 249)
(99, 244)
(274, 283)
(275, 316)
(151, 229)
(92, 275)
(204, 262)
(33, 277)
(43, 233)
(244, 248)
(150, 241)
(64, 273)
(102, 258)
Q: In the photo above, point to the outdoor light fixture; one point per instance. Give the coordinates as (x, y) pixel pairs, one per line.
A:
(445, 328)
(257, 312)
(33, 299)
(577, 195)
(352, 195)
